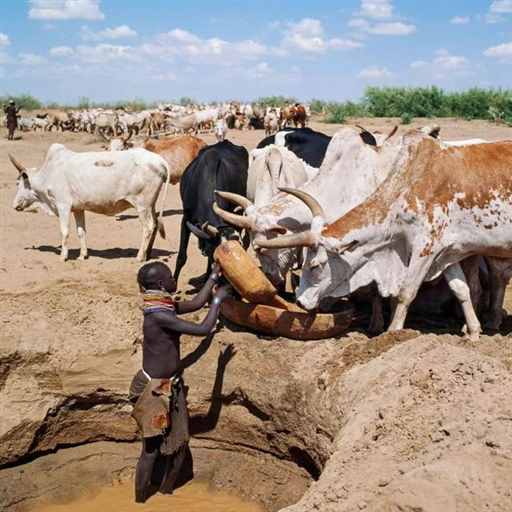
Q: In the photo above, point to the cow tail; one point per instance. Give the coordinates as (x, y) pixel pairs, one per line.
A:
(160, 224)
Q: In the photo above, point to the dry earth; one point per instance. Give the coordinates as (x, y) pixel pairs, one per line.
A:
(405, 422)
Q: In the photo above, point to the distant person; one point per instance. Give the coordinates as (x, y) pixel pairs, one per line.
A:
(11, 111)
(157, 390)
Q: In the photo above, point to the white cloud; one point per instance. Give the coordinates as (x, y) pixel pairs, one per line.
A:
(309, 36)
(120, 32)
(460, 20)
(103, 53)
(375, 73)
(493, 17)
(4, 40)
(502, 51)
(443, 64)
(65, 10)
(62, 51)
(31, 59)
(376, 9)
(261, 70)
(394, 28)
(501, 7)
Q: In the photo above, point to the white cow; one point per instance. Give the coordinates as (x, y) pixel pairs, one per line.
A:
(220, 130)
(70, 182)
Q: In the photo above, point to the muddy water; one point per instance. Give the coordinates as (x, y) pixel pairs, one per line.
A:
(195, 497)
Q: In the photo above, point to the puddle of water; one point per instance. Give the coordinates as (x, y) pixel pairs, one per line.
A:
(195, 497)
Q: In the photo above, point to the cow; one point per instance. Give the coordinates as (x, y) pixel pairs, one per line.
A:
(299, 116)
(59, 120)
(177, 151)
(115, 143)
(306, 143)
(222, 166)
(220, 130)
(438, 206)
(70, 182)
(271, 123)
(354, 165)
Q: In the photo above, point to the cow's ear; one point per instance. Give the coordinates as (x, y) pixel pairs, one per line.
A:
(26, 181)
(368, 138)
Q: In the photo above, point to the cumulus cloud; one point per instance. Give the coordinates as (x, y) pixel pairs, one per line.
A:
(103, 53)
(449, 62)
(308, 35)
(31, 59)
(502, 51)
(501, 7)
(120, 32)
(376, 9)
(443, 64)
(375, 73)
(166, 76)
(62, 51)
(261, 70)
(65, 10)
(460, 20)
(394, 28)
(4, 40)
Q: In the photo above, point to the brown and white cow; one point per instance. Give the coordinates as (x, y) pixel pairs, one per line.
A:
(178, 152)
(438, 206)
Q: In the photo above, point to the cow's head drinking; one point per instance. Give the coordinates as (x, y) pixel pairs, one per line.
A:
(25, 195)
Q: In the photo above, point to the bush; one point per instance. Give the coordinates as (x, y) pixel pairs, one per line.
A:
(275, 101)
(406, 118)
(335, 114)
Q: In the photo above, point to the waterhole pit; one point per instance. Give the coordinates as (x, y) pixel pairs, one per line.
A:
(194, 497)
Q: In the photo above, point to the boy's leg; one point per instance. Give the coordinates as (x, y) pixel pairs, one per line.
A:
(145, 467)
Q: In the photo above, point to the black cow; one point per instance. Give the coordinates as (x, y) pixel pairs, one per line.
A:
(307, 144)
(222, 166)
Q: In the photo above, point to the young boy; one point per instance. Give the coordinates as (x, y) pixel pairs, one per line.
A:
(158, 390)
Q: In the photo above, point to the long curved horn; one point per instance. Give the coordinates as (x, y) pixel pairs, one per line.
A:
(235, 198)
(237, 220)
(304, 239)
(307, 199)
(198, 232)
(18, 165)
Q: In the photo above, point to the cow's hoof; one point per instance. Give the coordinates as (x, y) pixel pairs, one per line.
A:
(82, 258)
(473, 335)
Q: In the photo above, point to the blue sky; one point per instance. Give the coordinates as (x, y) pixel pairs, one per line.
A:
(162, 49)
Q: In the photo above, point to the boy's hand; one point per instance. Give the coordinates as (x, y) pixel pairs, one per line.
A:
(221, 292)
(216, 272)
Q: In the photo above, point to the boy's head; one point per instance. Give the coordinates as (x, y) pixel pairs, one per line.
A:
(156, 276)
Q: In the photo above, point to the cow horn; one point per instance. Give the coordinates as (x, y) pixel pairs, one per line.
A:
(235, 198)
(304, 239)
(391, 133)
(237, 220)
(198, 231)
(17, 164)
(211, 230)
(307, 199)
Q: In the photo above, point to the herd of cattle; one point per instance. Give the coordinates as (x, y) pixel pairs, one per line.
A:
(394, 220)
(170, 118)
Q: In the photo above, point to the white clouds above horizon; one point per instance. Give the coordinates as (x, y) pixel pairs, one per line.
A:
(65, 10)
(442, 65)
(309, 35)
(4, 40)
(31, 59)
(375, 73)
(120, 32)
(369, 20)
(501, 51)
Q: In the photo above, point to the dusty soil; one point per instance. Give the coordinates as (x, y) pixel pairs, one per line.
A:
(402, 422)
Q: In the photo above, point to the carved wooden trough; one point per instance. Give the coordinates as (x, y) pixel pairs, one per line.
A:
(263, 310)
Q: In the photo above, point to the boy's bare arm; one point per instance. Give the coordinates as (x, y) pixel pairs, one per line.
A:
(188, 306)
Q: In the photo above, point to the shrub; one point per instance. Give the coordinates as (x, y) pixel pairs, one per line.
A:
(406, 118)
(25, 101)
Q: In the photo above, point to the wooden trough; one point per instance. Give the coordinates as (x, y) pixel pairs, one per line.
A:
(263, 310)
